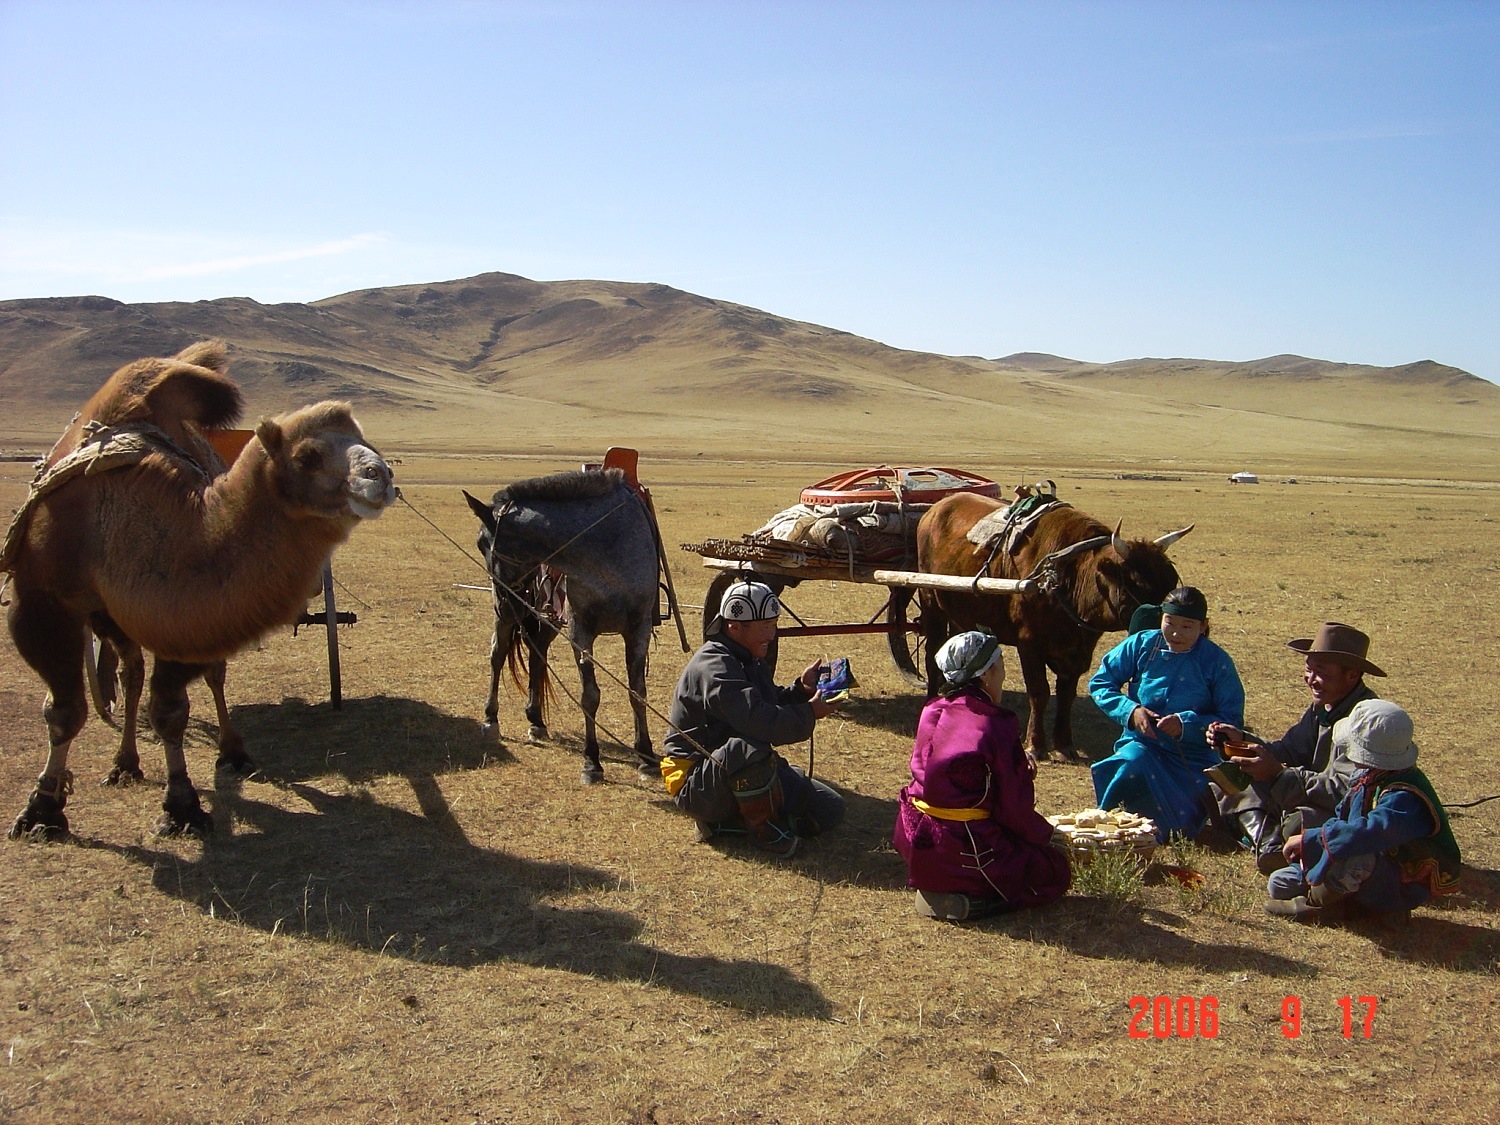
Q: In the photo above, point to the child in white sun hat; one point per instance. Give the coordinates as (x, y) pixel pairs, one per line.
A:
(1388, 847)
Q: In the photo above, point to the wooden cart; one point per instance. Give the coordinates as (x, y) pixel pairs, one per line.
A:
(783, 564)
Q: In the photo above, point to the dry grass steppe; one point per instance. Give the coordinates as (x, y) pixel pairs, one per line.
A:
(400, 919)
(403, 918)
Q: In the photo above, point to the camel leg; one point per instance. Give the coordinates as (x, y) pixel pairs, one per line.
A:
(637, 649)
(127, 767)
(583, 652)
(232, 754)
(1034, 672)
(168, 709)
(539, 635)
(51, 640)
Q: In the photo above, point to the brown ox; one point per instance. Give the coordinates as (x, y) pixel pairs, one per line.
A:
(1092, 582)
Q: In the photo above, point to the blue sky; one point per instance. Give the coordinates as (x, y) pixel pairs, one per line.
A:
(1099, 180)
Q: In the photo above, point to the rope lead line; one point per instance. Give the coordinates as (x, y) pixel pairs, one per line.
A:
(578, 651)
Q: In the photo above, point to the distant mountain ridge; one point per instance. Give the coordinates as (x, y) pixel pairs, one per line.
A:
(500, 358)
(1296, 367)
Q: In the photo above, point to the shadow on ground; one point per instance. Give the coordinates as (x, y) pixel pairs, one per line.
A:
(1103, 929)
(370, 737)
(351, 871)
(858, 852)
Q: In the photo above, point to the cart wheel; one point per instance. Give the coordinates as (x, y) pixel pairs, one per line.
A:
(909, 650)
(715, 596)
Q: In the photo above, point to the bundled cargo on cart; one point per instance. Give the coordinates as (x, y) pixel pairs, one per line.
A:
(858, 526)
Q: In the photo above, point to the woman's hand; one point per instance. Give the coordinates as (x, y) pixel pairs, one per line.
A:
(1143, 720)
(1030, 764)
(1292, 849)
(1170, 725)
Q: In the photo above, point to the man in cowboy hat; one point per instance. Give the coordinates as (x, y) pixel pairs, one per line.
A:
(1297, 781)
(1388, 847)
(720, 762)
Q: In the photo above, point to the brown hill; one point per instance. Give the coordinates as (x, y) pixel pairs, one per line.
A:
(1295, 385)
(505, 364)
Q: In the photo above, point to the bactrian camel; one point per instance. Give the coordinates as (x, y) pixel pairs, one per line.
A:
(128, 533)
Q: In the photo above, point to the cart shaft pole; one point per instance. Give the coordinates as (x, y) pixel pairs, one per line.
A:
(955, 582)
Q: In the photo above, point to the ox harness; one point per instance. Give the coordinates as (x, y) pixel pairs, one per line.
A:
(1048, 574)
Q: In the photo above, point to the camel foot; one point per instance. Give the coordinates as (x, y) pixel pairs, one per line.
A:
(239, 764)
(536, 734)
(232, 747)
(124, 775)
(42, 819)
(1066, 754)
(592, 774)
(183, 814)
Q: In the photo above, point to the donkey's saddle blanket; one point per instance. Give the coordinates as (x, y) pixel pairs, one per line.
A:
(1010, 525)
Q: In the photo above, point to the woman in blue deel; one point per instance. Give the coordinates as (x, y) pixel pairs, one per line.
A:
(1164, 686)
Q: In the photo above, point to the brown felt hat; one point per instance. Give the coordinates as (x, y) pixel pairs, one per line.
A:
(1342, 644)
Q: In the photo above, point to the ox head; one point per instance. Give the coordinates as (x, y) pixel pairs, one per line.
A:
(323, 465)
(1132, 574)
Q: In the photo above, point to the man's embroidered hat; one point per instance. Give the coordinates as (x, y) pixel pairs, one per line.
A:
(747, 601)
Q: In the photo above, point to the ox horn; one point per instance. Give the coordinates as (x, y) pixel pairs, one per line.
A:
(1121, 547)
(1172, 536)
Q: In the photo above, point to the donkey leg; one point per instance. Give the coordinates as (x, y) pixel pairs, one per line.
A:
(168, 709)
(232, 754)
(1034, 672)
(637, 650)
(538, 635)
(127, 767)
(51, 640)
(583, 652)
(497, 663)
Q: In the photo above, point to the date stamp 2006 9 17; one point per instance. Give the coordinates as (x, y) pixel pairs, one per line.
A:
(1190, 1017)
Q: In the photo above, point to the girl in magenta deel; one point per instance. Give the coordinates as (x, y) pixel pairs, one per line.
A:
(967, 827)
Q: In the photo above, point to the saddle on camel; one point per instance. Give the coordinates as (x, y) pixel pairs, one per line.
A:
(136, 530)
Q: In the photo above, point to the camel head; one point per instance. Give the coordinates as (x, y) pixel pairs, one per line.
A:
(323, 467)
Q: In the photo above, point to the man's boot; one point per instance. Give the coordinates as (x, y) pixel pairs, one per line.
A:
(757, 789)
(1264, 833)
(1323, 896)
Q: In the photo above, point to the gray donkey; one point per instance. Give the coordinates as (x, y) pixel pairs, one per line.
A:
(593, 528)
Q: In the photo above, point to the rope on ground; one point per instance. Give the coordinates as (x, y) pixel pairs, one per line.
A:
(1471, 804)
